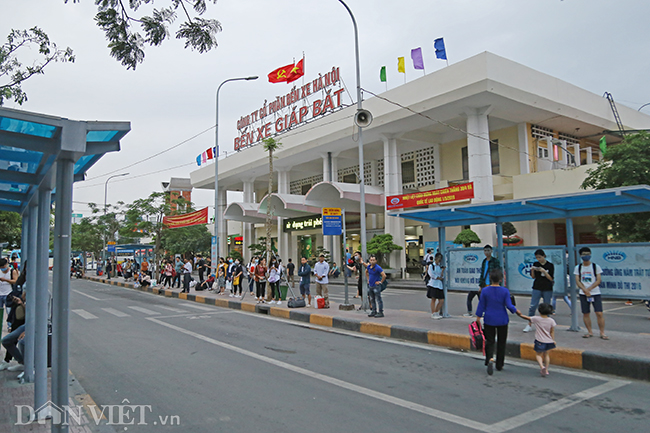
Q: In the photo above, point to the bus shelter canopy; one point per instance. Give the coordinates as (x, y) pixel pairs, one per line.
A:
(621, 200)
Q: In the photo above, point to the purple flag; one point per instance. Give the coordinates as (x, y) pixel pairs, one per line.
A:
(416, 55)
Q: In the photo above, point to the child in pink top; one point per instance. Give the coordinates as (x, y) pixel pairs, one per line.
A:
(544, 336)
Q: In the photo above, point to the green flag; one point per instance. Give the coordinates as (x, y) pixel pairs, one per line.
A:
(603, 144)
(382, 74)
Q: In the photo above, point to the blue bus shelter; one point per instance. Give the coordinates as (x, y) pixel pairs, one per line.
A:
(42, 156)
(567, 206)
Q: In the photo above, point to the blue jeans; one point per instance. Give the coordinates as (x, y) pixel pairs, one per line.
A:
(537, 295)
(375, 298)
(11, 343)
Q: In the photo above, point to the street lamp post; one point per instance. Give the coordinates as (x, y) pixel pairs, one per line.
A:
(362, 193)
(105, 193)
(215, 258)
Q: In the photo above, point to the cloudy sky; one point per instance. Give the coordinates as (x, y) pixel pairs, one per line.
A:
(599, 45)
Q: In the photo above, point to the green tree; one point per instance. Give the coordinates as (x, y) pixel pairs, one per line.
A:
(10, 229)
(467, 237)
(626, 164)
(509, 229)
(259, 249)
(186, 240)
(128, 30)
(32, 42)
(381, 246)
(270, 145)
(86, 236)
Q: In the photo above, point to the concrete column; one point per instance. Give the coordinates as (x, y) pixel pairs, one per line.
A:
(392, 186)
(524, 157)
(223, 224)
(284, 181)
(30, 257)
(374, 173)
(40, 286)
(248, 229)
(480, 164)
(61, 284)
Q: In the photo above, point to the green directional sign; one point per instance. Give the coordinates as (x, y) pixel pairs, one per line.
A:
(77, 215)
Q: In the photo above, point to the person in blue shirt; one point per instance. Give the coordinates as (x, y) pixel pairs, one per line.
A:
(376, 277)
(493, 302)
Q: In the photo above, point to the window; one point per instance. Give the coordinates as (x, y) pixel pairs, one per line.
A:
(494, 156)
(350, 178)
(542, 152)
(305, 189)
(408, 172)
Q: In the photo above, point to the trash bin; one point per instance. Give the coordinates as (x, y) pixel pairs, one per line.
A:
(283, 292)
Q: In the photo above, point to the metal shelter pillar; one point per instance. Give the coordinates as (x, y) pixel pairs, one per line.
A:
(442, 243)
(500, 253)
(61, 285)
(573, 289)
(30, 299)
(41, 286)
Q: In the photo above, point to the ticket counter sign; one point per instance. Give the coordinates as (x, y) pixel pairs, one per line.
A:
(436, 196)
(332, 221)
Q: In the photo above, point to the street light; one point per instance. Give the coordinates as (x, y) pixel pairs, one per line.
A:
(105, 193)
(362, 193)
(215, 258)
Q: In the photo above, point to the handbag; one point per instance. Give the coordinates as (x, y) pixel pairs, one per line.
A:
(19, 313)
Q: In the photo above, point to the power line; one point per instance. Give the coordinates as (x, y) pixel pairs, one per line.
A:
(135, 177)
(157, 154)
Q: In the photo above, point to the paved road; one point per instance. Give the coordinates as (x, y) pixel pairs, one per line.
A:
(226, 370)
(618, 316)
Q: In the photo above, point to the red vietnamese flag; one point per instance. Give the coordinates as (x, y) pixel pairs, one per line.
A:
(296, 72)
(280, 75)
(209, 151)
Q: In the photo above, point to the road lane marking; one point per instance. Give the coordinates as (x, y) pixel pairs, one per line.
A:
(85, 314)
(555, 406)
(115, 312)
(87, 295)
(145, 311)
(175, 310)
(499, 427)
(198, 307)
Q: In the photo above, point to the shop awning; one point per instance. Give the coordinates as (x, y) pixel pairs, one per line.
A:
(345, 196)
(287, 205)
(244, 212)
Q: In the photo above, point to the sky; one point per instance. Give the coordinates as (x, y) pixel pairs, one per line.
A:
(599, 45)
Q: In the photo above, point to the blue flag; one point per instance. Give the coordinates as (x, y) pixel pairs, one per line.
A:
(198, 160)
(439, 45)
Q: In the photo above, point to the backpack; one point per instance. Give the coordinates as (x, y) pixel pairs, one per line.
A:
(427, 277)
(476, 336)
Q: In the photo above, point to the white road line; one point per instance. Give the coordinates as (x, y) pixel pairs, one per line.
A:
(115, 312)
(87, 295)
(198, 307)
(175, 310)
(85, 314)
(336, 382)
(144, 310)
(553, 407)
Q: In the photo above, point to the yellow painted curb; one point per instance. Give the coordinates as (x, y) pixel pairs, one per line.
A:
(281, 312)
(248, 307)
(182, 296)
(319, 319)
(168, 293)
(221, 303)
(444, 339)
(200, 299)
(375, 329)
(567, 357)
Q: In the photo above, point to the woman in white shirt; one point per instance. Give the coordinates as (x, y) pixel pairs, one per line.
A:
(435, 290)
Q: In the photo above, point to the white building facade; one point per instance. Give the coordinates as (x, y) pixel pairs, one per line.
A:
(512, 131)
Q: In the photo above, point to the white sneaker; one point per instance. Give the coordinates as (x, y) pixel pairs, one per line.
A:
(17, 367)
(272, 302)
(309, 305)
(5, 365)
(237, 296)
(433, 315)
(437, 316)
(528, 328)
(279, 303)
(232, 296)
(468, 315)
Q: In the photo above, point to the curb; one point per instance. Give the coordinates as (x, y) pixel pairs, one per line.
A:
(618, 365)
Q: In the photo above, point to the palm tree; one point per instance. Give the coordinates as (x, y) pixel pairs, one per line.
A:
(270, 145)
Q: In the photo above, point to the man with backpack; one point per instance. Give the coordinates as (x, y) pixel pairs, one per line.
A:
(587, 275)
(489, 264)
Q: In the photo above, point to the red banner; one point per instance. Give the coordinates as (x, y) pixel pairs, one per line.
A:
(436, 196)
(189, 219)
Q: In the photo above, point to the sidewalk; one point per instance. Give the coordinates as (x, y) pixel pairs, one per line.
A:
(625, 354)
(13, 394)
